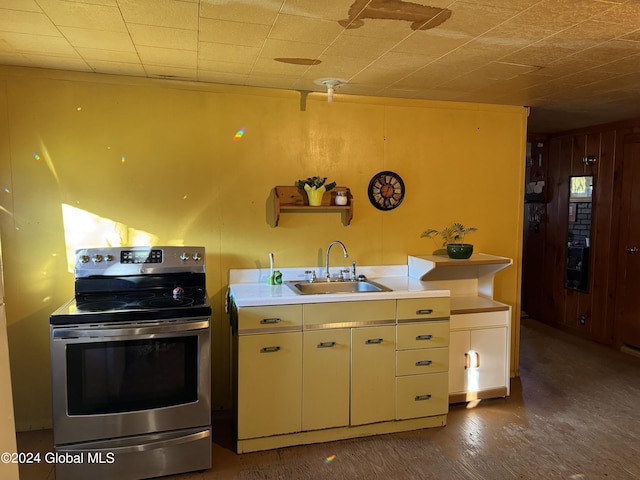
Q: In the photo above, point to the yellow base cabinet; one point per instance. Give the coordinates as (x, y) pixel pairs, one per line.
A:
(326, 371)
(268, 369)
(372, 374)
(325, 378)
(270, 384)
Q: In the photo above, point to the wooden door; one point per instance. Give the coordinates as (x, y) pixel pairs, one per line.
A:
(629, 257)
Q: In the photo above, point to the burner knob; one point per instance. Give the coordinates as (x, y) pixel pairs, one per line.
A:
(108, 258)
(85, 259)
(196, 257)
(184, 257)
(96, 258)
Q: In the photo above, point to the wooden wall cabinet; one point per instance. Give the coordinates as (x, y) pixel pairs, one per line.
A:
(480, 326)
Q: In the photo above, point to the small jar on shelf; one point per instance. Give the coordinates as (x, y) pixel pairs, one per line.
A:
(341, 197)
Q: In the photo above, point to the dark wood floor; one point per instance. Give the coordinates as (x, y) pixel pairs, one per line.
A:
(573, 414)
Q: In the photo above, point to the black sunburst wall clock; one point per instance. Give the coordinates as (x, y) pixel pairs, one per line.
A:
(386, 190)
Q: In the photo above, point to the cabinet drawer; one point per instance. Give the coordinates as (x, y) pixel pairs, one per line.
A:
(422, 395)
(422, 335)
(426, 360)
(276, 318)
(340, 314)
(423, 308)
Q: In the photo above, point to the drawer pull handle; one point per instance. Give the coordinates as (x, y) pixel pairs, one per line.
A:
(424, 363)
(326, 344)
(424, 337)
(424, 311)
(269, 349)
(420, 398)
(374, 341)
(269, 321)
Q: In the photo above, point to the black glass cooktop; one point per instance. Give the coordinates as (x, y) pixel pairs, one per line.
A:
(98, 302)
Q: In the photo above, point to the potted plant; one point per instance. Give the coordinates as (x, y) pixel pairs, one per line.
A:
(453, 239)
(315, 188)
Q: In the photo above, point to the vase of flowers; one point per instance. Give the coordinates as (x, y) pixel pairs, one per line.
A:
(315, 188)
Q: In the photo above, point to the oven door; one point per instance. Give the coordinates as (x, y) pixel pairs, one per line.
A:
(129, 378)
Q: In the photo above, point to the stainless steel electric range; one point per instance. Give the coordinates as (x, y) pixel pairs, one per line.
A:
(130, 365)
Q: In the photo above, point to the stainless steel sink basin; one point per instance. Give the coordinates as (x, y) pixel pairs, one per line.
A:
(322, 287)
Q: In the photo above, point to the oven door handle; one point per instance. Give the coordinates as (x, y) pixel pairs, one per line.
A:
(123, 331)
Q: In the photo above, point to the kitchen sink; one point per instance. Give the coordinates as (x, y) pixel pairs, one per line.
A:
(320, 287)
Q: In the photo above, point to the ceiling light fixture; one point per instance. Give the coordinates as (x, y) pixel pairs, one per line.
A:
(331, 84)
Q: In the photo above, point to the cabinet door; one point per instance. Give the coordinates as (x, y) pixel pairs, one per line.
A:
(490, 345)
(487, 346)
(372, 374)
(269, 384)
(459, 345)
(325, 378)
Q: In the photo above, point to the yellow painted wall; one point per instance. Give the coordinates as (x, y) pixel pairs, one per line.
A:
(185, 180)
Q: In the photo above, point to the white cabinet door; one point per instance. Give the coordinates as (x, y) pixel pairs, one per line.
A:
(459, 345)
(488, 348)
(325, 378)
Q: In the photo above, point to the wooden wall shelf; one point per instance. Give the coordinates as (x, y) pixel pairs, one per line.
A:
(290, 199)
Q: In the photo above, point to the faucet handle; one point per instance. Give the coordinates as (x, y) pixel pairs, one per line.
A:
(311, 275)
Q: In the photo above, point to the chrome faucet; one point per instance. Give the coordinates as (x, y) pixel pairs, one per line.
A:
(344, 249)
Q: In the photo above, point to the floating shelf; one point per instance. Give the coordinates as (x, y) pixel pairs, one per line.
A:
(290, 199)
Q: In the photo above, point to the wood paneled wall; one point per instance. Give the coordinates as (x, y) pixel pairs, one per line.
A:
(590, 314)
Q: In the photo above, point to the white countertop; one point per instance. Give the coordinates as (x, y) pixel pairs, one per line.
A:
(249, 287)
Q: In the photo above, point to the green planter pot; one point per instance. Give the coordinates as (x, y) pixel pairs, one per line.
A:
(459, 250)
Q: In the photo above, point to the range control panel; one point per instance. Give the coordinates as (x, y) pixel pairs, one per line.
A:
(117, 261)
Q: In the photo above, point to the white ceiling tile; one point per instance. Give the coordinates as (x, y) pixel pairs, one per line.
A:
(23, 5)
(114, 56)
(219, 52)
(263, 12)
(163, 37)
(36, 23)
(287, 49)
(224, 67)
(335, 10)
(165, 13)
(236, 33)
(83, 15)
(99, 39)
(167, 57)
(38, 44)
(305, 29)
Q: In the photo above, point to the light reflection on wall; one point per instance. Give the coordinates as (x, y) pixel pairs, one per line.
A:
(84, 229)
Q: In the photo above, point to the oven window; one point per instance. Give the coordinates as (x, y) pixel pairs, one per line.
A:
(125, 376)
